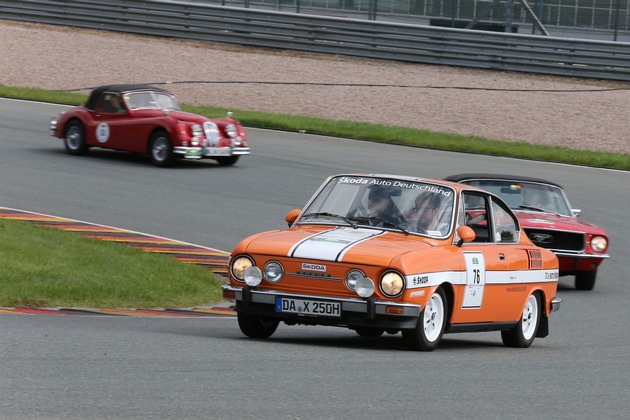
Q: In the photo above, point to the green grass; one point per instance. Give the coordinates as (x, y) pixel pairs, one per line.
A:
(47, 267)
(372, 132)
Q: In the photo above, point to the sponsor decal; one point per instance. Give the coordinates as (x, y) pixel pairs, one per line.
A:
(395, 184)
(416, 293)
(419, 280)
(102, 132)
(313, 267)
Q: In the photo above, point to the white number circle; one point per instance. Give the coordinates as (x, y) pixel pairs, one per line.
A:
(102, 132)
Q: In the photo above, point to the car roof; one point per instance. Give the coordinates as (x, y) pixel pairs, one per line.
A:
(120, 88)
(502, 177)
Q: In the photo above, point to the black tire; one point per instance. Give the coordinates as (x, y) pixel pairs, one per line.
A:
(74, 138)
(585, 280)
(369, 332)
(522, 335)
(227, 160)
(255, 326)
(161, 149)
(431, 324)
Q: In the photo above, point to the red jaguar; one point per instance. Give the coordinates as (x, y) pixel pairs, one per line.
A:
(549, 221)
(148, 120)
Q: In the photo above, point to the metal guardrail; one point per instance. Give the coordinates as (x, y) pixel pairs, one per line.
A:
(360, 38)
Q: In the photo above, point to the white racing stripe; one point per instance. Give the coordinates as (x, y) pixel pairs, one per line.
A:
(331, 245)
(414, 281)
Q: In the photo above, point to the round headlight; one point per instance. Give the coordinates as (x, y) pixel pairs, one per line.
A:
(253, 276)
(364, 287)
(231, 130)
(599, 243)
(352, 277)
(239, 265)
(196, 130)
(392, 284)
(274, 271)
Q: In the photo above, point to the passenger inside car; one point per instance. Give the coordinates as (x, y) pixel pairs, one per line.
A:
(423, 216)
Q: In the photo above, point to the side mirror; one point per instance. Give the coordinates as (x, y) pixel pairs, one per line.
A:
(292, 215)
(466, 234)
(576, 212)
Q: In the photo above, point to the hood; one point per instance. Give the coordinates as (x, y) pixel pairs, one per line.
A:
(178, 115)
(540, 220)
(339, 244)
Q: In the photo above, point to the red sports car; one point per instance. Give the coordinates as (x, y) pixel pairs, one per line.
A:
(548, 219)
(148, 120)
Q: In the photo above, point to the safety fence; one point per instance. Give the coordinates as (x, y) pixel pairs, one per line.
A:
(335, 35)
(587, 19)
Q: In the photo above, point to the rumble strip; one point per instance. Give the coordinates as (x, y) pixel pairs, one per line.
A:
(212, 259)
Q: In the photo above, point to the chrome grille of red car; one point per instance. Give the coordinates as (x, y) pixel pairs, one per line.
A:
(557, 240)
(212, 133)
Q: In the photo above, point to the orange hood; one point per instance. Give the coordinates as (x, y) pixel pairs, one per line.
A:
(339, 244)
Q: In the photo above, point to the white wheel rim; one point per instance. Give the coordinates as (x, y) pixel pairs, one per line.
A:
(433, 318)
(73, 138)
(160, 149)
(530, 317)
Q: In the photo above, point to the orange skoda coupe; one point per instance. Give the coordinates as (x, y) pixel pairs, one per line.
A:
(385, 253)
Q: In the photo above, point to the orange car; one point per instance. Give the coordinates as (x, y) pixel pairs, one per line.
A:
(385, 253)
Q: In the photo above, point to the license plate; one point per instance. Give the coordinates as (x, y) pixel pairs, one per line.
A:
(308, 307)
(217, 151)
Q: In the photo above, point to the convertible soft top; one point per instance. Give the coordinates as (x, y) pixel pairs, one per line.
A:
(96, 93)
(516, 178)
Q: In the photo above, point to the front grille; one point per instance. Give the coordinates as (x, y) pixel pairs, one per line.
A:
(212, 133)
(557, 240)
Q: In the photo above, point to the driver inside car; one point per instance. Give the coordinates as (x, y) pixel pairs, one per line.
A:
(381, 206)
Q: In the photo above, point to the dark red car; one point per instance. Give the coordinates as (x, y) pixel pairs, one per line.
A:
(549, 221)
(148, 120)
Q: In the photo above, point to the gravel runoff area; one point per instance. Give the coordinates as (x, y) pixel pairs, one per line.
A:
(576, 113)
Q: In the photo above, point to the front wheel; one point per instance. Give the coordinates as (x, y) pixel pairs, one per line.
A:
(161, 149)
(585, 280)
(255, 326)
(523, 333)
(431, 324)
(74, 139)
(227, 160)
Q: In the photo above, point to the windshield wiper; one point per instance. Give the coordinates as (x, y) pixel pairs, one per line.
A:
(381, 221)
(335, 216)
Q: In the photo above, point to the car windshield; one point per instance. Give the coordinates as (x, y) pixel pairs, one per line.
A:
(151, 99)
(410, 206)
(528, 196)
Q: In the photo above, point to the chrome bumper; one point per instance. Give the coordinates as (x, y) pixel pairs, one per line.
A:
(53, 127)
(555, 304)
(355, 305)
(579, 255)
(200, 152)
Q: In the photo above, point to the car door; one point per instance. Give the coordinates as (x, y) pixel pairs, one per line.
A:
(111, 119)
(486, 262)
